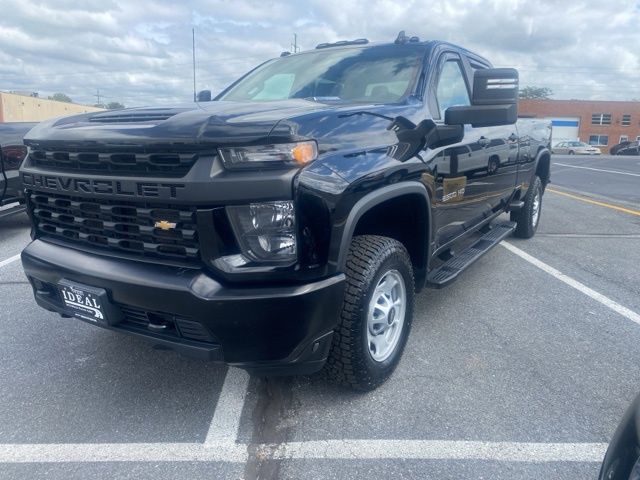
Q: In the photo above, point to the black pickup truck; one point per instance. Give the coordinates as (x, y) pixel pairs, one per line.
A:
(286, 225)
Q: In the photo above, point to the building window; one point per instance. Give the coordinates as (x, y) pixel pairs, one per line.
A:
(626, 120)
(624, 138)
(601, 119)
(599, 140)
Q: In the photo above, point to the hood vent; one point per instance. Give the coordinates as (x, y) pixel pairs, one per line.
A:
(133, 117)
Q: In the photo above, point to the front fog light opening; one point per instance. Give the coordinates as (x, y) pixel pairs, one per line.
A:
(266, 232)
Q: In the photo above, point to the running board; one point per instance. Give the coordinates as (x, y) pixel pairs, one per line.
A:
(449, 271)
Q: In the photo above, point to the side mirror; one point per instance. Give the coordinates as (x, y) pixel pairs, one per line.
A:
(494, 100)
(204, 96)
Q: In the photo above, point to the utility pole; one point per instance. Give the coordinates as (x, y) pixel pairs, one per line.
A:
(97, 95)
(294, 45)
(193, 45)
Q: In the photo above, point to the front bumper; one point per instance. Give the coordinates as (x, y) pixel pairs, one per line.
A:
(267, 329)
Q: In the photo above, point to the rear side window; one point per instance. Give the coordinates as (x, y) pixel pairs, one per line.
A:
(452, 89)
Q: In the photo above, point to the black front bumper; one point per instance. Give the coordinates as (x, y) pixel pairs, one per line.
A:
(270, 330)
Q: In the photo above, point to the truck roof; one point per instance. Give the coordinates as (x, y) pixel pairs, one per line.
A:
(362, 43)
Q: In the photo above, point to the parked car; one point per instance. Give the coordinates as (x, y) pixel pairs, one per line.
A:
(575, 148)
(287, 225)
(626, 148)
(12, 153)
(622, 461)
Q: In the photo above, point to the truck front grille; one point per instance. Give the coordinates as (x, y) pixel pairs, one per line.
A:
(128, 227)
(116, 163)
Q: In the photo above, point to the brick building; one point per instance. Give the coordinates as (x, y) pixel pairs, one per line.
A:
(601, 123)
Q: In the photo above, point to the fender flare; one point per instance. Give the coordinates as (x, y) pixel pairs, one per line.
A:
(341, 237)
(541, 152)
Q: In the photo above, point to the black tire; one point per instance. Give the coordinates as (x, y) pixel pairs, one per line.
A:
(526, 223)
(571, 152)
(350, 360)
(492, 167)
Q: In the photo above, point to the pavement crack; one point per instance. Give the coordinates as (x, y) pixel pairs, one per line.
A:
(272, 428)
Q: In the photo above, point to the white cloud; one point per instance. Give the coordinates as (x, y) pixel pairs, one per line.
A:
(139, 52)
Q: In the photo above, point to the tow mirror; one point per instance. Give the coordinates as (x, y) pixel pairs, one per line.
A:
(204, 96)
(494, 100)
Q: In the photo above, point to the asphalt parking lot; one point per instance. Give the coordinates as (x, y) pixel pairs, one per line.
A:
(530, 385)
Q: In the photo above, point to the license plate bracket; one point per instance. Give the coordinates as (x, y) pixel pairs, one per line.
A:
(86, 302)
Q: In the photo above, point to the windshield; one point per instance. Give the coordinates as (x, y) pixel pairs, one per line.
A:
(384, 74)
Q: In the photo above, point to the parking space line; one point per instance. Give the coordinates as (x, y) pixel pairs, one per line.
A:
(121, 452)
(606, 301)
(594, 202)
(598, 169)
(356, 449)
(226, 417)
(443, 450)
(9, 260)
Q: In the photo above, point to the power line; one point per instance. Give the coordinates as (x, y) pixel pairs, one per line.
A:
(124, 70)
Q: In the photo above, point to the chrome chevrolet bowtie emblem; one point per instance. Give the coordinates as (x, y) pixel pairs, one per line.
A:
(164, 225)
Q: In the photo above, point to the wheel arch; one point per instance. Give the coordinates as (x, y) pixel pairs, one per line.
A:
(543, 166)
(384, 212)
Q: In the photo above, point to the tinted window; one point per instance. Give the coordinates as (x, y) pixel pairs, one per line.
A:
(452, 89)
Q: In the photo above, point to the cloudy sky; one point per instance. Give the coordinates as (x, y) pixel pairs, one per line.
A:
(138, 52)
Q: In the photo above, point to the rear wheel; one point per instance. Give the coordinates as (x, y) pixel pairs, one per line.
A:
(493, 165)
(528, 217)
(376, 313)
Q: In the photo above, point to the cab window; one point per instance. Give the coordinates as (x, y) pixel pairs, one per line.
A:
(452, 89)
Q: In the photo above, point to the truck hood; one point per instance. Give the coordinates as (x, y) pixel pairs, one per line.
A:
(189, 125)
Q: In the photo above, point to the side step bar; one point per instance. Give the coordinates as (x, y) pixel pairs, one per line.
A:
(448, 272)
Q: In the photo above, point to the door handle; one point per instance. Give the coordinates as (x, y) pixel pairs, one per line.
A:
(483, 141)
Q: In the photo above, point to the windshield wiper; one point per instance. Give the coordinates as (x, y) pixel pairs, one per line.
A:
(323, 99)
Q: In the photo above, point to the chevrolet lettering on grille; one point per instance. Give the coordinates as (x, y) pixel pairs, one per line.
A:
(102, 187)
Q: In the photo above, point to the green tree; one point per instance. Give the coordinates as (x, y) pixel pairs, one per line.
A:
(114, 106)
(540, 93)
(61, 97)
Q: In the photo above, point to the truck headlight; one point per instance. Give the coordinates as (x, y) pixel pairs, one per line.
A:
(277, 155)
(266, 232)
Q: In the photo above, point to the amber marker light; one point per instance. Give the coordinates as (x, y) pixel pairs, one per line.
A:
(304, 152)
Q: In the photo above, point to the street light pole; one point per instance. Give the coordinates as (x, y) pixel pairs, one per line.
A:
(193, 46)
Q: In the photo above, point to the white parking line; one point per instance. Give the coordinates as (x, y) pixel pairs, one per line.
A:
(9, 260)
(121, 452)
(443, 450)
(321, 449)
(598, 169)
(606, 301)
(226, 416)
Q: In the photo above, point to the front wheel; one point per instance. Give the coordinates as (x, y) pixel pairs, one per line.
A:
(528, 218)
(376, 313)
